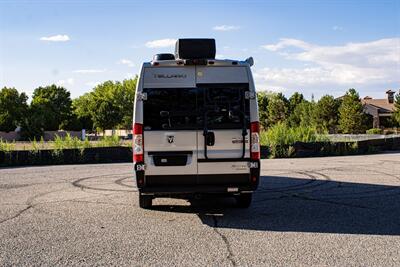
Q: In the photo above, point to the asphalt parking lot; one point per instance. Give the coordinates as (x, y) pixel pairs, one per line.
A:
(314, 211)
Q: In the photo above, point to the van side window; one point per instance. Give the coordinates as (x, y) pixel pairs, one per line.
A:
(170, 109)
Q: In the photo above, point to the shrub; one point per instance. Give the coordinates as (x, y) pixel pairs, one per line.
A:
(108, 141)
(6, 146)
(374, 131)
(281, 134)
(280, 138)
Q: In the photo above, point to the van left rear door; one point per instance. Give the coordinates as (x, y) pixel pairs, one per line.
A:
(169, 126)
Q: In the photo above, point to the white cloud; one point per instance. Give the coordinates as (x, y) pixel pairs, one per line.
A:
(286, 42)
(161, 43)
(69, 81)
(225, 28)
(56, 38)
(352, 64)
(127, 62)
(89, 71)
(92, 83)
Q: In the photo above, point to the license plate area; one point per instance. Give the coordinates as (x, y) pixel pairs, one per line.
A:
(179, 158)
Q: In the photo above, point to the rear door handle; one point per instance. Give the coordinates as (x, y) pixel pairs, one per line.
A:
(210, 138)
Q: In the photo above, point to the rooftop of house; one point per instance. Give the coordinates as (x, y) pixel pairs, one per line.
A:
(384, 105)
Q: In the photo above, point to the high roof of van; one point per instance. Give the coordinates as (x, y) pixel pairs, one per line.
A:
(202, 62)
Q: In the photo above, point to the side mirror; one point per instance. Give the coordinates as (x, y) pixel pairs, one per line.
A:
(250, 61)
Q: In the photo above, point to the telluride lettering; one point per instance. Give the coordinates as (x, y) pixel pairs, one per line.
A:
(169, 76)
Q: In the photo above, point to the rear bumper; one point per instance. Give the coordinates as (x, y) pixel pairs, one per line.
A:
(193, 184)
(196, 189)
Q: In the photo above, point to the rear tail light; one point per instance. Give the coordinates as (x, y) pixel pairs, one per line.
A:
(255, 140)
(138, 146)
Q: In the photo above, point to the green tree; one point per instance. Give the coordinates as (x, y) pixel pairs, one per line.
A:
(32, 126)
(396, 113)
(278, 107)
(111, 104)
(295, 100)
(303, 115)
(351, 116)
(82, 117)
(13, 108)
(127, 98)
(262, 98)
(51, 106)
(326, 114)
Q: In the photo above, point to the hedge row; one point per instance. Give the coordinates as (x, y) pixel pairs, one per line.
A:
(124, 154)
(318, 149)
(66, 156)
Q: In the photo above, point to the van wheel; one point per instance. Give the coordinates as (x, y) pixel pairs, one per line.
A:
(244, 200)
(145, 202)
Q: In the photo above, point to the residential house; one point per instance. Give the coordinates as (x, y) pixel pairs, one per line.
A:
(379, 110)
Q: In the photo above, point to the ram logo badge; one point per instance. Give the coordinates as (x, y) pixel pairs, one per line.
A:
(170, 139)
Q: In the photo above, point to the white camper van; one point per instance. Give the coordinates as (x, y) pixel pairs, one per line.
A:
(196, 128)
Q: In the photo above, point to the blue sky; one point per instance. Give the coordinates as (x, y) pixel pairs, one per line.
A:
(315, 47)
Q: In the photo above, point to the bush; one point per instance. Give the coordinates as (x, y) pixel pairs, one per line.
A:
(280, 138)
(6, 146)
(374, 131)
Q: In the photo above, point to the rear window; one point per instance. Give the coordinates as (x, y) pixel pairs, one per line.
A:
(211, 107)
(224, 107)
(170, 108)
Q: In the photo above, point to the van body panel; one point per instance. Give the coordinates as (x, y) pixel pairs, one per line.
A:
(223, 167)
(225, 74)
(173, 77)
(253, 102)
(228, 144)
(185, 142)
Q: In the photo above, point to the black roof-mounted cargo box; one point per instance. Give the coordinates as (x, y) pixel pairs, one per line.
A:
(195, 49)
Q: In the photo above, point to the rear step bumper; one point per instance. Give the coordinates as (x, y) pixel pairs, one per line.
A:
(192, 184)
(197, 180)
(198, 189)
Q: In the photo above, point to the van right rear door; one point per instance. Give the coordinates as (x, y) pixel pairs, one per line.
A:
(223, 141)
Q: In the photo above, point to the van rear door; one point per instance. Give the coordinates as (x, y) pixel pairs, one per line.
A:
(223, 142)
(170, 126)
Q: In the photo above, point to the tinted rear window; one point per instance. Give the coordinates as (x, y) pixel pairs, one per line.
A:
(223, 107)
(213, 107)
(170, 108)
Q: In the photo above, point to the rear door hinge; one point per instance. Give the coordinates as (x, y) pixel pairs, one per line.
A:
(141, 96)
(249, 95)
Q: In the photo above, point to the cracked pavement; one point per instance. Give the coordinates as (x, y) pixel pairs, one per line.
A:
(311, 211)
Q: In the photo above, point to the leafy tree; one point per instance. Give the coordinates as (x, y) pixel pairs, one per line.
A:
(111, 104)
(32, 126)
(326, 114)
(13, 108)
(127, 97)
(351, 116)
(82, 118)
(303, 115)
(278, 107)
(396, 113)
(51, 107)
(262, 98)
(295, 100)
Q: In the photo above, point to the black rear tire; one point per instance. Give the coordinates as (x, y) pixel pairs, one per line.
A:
(145, 202)
(244, 200)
